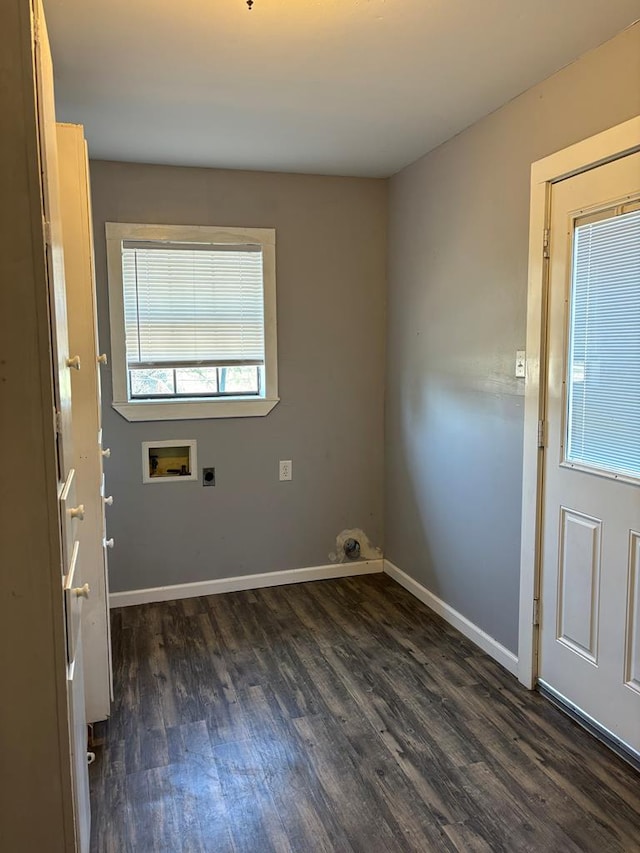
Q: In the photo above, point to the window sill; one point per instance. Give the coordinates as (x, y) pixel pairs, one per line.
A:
(187, 410)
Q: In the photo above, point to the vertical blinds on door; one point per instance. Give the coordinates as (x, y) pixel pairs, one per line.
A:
(193, 303)
(603, 423)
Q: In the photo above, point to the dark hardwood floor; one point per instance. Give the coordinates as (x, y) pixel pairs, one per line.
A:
(338, 716)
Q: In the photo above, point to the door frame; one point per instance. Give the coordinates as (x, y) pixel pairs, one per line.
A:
(611, 144)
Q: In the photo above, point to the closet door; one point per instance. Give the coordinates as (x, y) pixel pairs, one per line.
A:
(73, 585)
(75, 206)
(42, 745)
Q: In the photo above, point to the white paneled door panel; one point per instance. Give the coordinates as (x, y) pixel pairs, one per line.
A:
(78, 724)
(75, 593)
(71, 515)
(579, 583)
(589, 628)
(632, 672)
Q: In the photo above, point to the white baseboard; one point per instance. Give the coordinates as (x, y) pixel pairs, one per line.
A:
(215, 587)
(487, 643)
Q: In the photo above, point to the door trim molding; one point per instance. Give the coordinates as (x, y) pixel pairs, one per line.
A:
(611, 144)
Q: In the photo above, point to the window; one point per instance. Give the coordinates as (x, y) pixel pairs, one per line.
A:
(193, 321)
(604, 344)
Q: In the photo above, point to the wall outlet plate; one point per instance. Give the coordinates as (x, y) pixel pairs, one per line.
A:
(286, 470)
(208, 476)
(521, 364)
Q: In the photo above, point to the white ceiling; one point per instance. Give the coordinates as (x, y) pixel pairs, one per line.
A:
(347, 87)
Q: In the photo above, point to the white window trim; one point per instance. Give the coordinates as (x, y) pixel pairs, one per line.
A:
(162, 410)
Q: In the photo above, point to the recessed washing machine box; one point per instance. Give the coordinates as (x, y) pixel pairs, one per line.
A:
(169, 461)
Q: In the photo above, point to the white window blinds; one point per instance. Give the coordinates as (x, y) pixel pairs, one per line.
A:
(193, 304)
(604, 350)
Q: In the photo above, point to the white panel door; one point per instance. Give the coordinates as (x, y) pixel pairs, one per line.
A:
(64, 361)
(71, 510)
(590, 599)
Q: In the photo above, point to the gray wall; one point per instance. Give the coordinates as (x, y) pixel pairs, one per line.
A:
(458, 248)
(331, 260)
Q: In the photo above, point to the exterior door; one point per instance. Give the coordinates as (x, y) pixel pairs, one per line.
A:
(590, 595)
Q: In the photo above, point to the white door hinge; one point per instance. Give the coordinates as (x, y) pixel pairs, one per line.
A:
(46, 230)
(57, 419)
(546, 240)
(536, 611)
(541, 433)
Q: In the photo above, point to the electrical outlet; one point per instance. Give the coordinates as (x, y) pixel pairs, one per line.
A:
(286, 470)
(208, 476)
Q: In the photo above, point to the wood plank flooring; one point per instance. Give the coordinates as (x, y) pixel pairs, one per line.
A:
(338, 716)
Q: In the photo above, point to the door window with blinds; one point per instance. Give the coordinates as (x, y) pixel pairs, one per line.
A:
(192, 321)
(603, 375)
